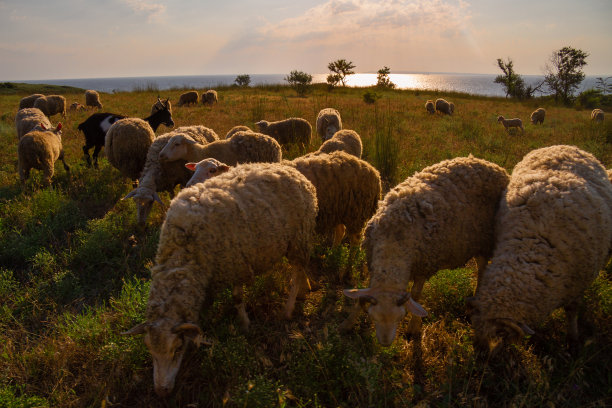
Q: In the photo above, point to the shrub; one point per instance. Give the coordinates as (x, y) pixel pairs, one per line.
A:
(300, 81)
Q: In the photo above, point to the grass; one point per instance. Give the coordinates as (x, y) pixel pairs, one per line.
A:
(74, 274)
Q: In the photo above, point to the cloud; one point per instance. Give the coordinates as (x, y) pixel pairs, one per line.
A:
(153, 11)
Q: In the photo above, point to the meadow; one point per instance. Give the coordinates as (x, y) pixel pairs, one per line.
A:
(74, 274)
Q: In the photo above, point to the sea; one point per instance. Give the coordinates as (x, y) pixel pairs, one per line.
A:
(475, 84)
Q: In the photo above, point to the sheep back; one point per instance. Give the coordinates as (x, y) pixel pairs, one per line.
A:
(51, 105)
(288, 131)
(28, 119)
(343, 140)
(28, 101)
(126, 145)
(39, 150)
(442, 105)
(328, 117)
(244, 147)
(597, 115)
(538, 115)
(209, 97)
(236, 129)
(188, 98)
(92, 98)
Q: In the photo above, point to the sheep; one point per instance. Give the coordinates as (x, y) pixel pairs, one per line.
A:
(40, 149)
(209, 97)
(28, 101)
(160, 105)
(222, 232)
(537, 116)
(437, 219)
(443, 106)
(237, 129)
(160, 175)
(328, 123)
(597, 115)
(430, 107)
(126, 145)
(553, 236)
(75, 106)
(28, 119)
(511, 123)
(243, 147)
(343, 140)
(188, 98)
(92, 98)
(51, 105)
(292, 130)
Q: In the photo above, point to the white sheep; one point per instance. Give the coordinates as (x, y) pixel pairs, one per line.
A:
(40, 149)
(224, 231)
(236, 129)
(443, 106)
(597, 115)
(511, 123)
(328, 123)
(28, 119)
(28, 101)
(75, 106)
(553, 236)
(209, 97)
(538, 115)
(430, 107)
(188, 98)
(126, 145)
(51, 105)
(437, 219)
(92, 98)
(288, 131)
(343, 140)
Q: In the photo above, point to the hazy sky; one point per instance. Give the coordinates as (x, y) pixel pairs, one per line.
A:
(49, 39)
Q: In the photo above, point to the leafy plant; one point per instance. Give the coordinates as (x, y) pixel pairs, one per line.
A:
(300, 81)
(243, 80)
(341, 69)
(383, 80)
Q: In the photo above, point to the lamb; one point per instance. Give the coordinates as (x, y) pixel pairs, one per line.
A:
(92, 98)
(437, 219)
(328, 123)
(430, 107)
(243, 147)
(160, 105)
(553, 236)
(343, 140)
(29, 119)
(28, 101)
(597, 115)
(511, 123)
(288, 131)
(51, 105)
(126, 145)
(537, 116)
(40, 149)
(75, 106)
(219, 233)
(443, 106)
(160, 175)
(237, 129)
(209, 97)
(188, 98)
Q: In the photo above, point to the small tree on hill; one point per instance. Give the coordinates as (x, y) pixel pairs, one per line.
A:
(341, 69)
(564, 72)
(243, 80)
(300, 81)
(383, 80)
(513, 83)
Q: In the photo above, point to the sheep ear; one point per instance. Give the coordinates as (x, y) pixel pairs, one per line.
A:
(43, 126)
(416, 309)
(191, 166)
(223, 168)
(363, 295)
(138, 329)
(59, 127)
(190, 330)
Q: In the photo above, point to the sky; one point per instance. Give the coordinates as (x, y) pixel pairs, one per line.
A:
(55, 39)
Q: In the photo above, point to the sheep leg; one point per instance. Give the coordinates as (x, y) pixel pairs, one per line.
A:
(48, 174)
(571, 313)
(338, 234)
(481, 265)
(237, 296)
(414, 326)
(61, 157)
(298, 281)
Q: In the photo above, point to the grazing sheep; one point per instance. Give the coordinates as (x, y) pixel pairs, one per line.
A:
(28, 101)
(126, 145)
(237, 129)
(160, 175)
(537, 116)
(288, 131)
(223, 232)
(328, 123)
(443, 106)
(75, 106)
(343, 140)
(40, 149)
(209, 97)
(553, 236)
(51, 105)
(243, 147)
(511, 123)
(437, 219)
(597, 115)
(28, 119)
(92, 98)
(160, 105)
(431, 108)
(188, 98)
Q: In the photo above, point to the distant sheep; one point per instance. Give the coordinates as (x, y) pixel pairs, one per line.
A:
(597, 115)
(40, 149)
(51, 105)
(28, 119)
(219, 233)
(161, 105)
(209, 97)
(237, 129)
(288, 131)
(126, 145)
(430, 107)
(328, 123)
(75, 106)
(537, 116)
(511, 123)
(553, 236)
(28, 101)
(443, 106)
(343, 140)
(188, 98)
(92, 98)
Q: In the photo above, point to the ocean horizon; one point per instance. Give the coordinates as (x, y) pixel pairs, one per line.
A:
(476, 84)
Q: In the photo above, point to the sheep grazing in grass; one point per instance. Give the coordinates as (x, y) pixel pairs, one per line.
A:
(328, 123)
(430, 107)
(40, 149)
(161, 105)
(344, 140)
(209, 97)
(188, 98)
(515, 123)
(443, 106)
(288, 131)
(537, 116)
(92, 98)
(51, 105)
(28, 101)
(29, 119)
(223, 232)
(237, 129)
(437, 219)
(553, 236)
(75, 106)
(126, 145)
(597, 115)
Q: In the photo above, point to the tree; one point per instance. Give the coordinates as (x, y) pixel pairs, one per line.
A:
(564, 72)
(243, 80)
(513, 82)
(383, 80)
(341, 69)
(300, 81)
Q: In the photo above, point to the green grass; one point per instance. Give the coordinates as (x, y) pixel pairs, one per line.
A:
(74, 274)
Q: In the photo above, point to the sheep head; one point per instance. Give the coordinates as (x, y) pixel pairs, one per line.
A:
(386, 308)
(176, 148)
(205, 169)
(330, 130)
(262, 125)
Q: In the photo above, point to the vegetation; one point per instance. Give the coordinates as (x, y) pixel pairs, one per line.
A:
(513, 82)
(341, 69)
(75, 273)
(564, 72)
(383, 80)
(300, 81)
(243, 80)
